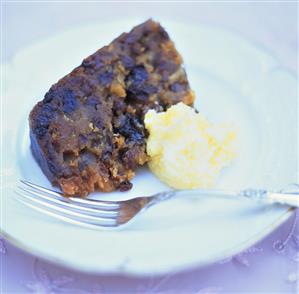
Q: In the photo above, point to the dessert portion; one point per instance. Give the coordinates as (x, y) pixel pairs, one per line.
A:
(186, 151)
(88, 132)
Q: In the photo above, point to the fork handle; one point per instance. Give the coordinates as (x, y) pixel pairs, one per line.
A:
(290, 199)
(259, 195)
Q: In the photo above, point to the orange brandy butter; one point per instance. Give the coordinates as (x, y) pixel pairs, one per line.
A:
(186, 150)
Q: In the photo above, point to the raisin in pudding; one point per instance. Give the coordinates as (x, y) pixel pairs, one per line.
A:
(88, 132)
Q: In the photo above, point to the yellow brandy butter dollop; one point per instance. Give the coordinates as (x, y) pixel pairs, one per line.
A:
(186, 150)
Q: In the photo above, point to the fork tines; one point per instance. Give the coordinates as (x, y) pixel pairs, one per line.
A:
(84, 212)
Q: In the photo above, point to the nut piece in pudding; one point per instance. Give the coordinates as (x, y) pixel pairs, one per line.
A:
(186, 151)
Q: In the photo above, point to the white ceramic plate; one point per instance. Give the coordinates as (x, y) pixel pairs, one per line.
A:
(234, 81)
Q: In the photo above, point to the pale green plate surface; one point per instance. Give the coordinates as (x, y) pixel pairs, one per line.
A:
(234, 81)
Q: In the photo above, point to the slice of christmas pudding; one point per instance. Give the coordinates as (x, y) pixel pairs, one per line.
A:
(88, 132)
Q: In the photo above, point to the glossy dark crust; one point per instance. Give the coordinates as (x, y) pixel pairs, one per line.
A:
(87, 133)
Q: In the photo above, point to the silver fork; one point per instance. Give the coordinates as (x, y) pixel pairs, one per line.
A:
(112, 214)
